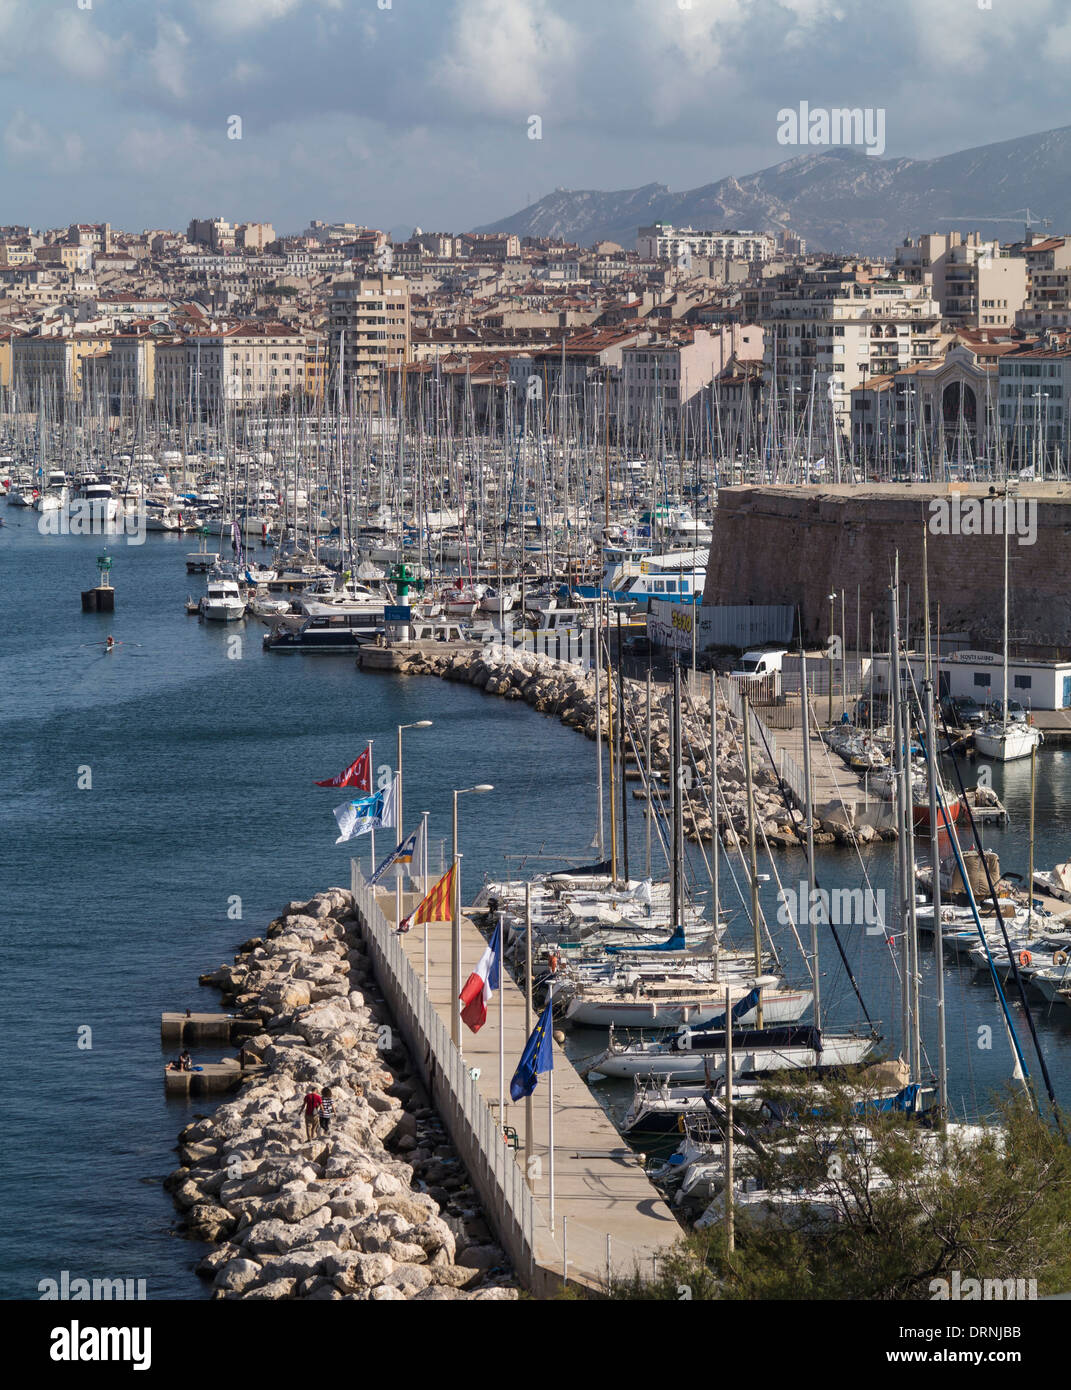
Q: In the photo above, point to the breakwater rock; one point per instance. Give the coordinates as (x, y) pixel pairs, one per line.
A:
(378, 1207)
(568, 692)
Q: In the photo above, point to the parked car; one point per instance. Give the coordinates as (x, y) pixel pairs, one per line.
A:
(965, 711)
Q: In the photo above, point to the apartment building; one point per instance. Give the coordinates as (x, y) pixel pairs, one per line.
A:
(828, 330)
(664, 242)
(978, 284)
(369, 323)
(491, 246)
(50, 369)
(581, 375)
(1048, 303)
(1034, 394)
(663, 380)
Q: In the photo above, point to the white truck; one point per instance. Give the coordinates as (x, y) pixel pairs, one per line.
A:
(756, 665)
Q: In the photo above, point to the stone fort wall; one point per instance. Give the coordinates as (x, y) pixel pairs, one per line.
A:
(797, 545)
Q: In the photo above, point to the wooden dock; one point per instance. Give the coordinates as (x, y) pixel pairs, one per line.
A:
(606, 1211)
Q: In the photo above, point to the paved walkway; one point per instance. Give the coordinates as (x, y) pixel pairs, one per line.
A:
(600, 1188)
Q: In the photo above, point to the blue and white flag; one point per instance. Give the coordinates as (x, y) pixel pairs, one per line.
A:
(537, 1057)
(404, 853)
(369, 813)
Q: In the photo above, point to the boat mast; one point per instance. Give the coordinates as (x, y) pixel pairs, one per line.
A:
(809, 820)
(753, 867)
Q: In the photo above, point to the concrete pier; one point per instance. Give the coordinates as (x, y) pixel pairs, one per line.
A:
(211, 1079)
(200, 1029)
(607, 1214)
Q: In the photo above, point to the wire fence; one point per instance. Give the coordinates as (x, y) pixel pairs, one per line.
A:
(494, 1171)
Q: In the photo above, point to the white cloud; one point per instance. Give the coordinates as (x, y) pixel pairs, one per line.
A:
(81, 47)
(26, 141)
(230, 17)
(508, 58)
(167, 61)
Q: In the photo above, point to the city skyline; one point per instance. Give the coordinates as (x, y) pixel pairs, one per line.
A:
(422, 114)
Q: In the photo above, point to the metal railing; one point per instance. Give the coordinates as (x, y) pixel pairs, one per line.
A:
(492, 1167)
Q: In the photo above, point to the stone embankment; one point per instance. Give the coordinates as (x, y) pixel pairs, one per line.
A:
(558, 688)
(379, 1207)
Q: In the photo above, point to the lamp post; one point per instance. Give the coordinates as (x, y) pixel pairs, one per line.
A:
(400, 820)
(420, 724)
(455, 935)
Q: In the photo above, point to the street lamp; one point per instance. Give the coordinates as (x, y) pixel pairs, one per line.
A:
(398, 819)
(420, 724)
(455, 935)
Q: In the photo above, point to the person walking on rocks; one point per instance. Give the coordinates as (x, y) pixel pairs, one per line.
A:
(312, 1106)
(327, 1110)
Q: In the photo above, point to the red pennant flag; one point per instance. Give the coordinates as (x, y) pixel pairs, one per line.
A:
(358, 774)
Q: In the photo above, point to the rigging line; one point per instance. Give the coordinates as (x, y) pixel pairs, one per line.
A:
(1021, 988)
(954, 840)
(836, 935)
(1008, 1021)
(700, 781)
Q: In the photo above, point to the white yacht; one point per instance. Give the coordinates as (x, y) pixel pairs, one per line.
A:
(97, 495)
(55, 495)
(223, 602)
(1003, 741)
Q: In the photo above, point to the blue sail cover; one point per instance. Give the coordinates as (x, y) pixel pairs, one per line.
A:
(675, 943)
(739, 1009)
(904, 1102)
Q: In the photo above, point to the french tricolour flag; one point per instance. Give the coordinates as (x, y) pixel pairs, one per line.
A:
(482, 983)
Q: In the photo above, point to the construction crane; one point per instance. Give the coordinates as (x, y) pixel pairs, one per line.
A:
(1030, 217)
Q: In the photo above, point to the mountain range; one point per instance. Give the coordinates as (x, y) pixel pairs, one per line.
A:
(839, 198)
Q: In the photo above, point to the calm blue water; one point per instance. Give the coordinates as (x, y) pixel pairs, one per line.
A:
(115, 895)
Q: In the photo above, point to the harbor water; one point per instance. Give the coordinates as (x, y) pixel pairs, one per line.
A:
(159, 808)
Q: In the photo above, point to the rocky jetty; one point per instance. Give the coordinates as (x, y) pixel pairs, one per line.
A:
(379, 1207)
(567, 691)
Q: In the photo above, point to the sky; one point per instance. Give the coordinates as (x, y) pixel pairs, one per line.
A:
(396, 113)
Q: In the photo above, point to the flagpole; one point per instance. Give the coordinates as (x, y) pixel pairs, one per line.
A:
(424, 892)
(372, 832)
(501, 1032)
(398, 836)
(550, 1125)
(529, 1121)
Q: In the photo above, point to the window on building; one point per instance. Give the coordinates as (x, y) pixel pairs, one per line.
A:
(1023, 682)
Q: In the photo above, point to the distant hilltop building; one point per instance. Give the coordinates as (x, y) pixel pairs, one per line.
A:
(664, 242)
(221, 236)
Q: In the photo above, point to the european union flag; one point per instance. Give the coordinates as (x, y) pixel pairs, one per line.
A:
(537, 1057)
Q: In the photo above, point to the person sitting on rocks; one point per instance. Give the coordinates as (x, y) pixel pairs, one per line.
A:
(312, 1107)
(327, 1110)
(183, 1063)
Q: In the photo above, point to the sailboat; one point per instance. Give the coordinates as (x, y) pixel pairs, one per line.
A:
(1004, 740)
